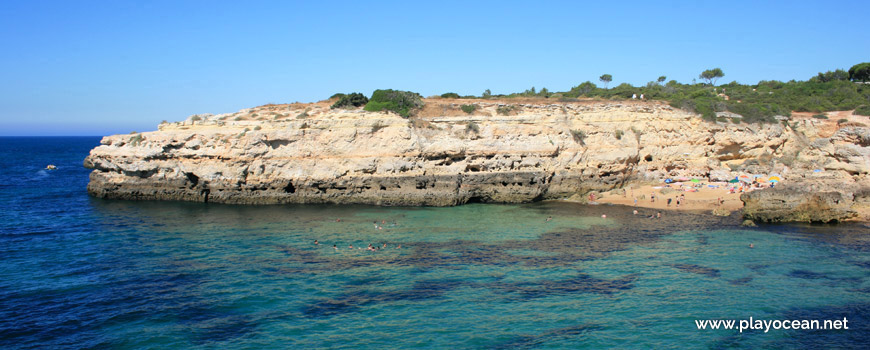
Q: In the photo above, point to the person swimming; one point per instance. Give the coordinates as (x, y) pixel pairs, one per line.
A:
(659, 215)
(603, 216)
(751, 245)
(549, 218)
(634, 212)
(315, 242)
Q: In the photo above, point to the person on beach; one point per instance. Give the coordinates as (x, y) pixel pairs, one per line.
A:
(669, 201)
(659, 215)
(652, 197)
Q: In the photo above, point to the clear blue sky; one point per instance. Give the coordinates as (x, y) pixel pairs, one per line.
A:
(104, 67)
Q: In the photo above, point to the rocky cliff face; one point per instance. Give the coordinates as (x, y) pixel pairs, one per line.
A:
(502, 152)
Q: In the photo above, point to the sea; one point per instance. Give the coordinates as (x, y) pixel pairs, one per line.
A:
(78, 272)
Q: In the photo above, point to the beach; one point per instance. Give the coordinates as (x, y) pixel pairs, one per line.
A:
(704, 198)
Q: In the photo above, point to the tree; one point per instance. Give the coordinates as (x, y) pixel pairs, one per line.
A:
(711, 75)
(583, 89)
(860, 72)
(825, 77)
(487, 94)
(606, 78)
(662, 79)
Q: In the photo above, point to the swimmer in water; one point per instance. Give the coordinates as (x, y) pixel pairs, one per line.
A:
(751, 245)
(634, 212)
(315, 242)
(603, 216)
(350, 247)
(549, 218)
(335, 247)
(659, 215)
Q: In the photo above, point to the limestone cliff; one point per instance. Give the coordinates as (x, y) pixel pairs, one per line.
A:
(505, 151)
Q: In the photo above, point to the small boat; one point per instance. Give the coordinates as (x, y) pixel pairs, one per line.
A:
(50, 167)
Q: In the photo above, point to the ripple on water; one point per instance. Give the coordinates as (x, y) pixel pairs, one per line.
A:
(81, 272)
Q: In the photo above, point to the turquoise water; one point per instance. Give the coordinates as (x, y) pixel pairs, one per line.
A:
(79, 272)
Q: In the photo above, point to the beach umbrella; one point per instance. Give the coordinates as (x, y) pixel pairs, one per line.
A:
(734, 181)
(774, 179)
(757, 176)
(668, 181)
(696, 180)
(743, 177)
(760, 180)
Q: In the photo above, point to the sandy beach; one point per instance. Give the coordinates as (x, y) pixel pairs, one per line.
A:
(701, 197)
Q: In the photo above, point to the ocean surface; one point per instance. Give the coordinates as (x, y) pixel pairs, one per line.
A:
(79, 272)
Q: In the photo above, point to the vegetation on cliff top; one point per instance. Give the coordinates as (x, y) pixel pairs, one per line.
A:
(354, 99)
(761, 102)
(401, 102)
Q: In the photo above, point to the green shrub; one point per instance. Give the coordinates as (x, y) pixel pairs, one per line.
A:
(820, 116)
(579, 136)
(304, 126)
(257, 128)
(468, 108)
(862, 110)
(195, 118)
(506, 109)
(472, 127)
(302, 115)
(841, 121)
(450, 95)
(351, 100)
(338, 95)
(618, 134)
(402, 103)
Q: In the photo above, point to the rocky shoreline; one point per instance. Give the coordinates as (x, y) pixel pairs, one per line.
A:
(503, 152)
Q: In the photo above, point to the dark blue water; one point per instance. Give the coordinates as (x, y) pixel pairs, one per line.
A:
(78, 272)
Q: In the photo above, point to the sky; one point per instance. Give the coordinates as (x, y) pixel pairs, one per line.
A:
(107, 67)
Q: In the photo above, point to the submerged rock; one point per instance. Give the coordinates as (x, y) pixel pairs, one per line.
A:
(721, 212)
